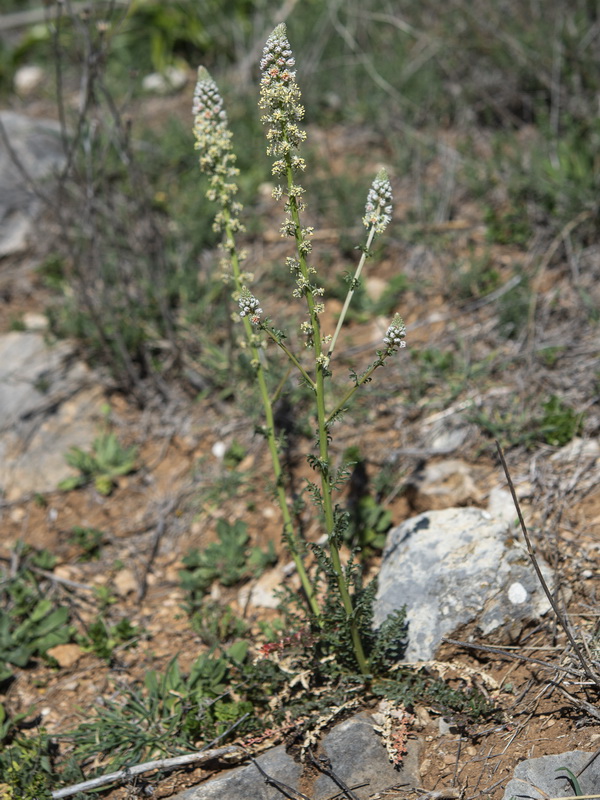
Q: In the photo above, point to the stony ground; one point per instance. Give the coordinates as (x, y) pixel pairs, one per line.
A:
(415, 415)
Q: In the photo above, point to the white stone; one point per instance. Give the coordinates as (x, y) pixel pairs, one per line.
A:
(442, 484)
(517, 593)
(46, 407)
(578, 449)
(171, 80)
(263, 593)
(538, 778)
(28, 78)
(38, 147)
(219, 449)
(35, 322)
(125, 582)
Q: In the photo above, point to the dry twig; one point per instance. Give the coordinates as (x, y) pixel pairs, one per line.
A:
(163, 763)
(564, 623)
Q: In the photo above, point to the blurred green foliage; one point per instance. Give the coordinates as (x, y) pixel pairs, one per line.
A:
(32, 621)
(388, 75)
(103, 464)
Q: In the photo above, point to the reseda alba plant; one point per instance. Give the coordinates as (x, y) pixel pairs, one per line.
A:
(282, 112)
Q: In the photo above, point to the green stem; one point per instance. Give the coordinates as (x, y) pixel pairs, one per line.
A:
(326, 487)
(360, 382)
(277, 393)
(350, 294)
(291, 357)
(288, 527)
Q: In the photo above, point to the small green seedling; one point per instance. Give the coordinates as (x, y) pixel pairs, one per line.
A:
(102, 639)
(559, 423)
(88, 540)
(572, 779)
(30, 623)
(229, 561)
(107, 461)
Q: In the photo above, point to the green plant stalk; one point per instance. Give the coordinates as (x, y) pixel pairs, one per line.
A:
(350, 294)
(277, 393)
(288, 526)
(291, 357)
(360, 382)
(326, 488)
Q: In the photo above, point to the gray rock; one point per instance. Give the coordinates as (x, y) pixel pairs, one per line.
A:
(38, 147)
(538, 778)
(357, 756)
(49, 402)
(501, 506)
(454, 567)
(243, 783)
(360, 759)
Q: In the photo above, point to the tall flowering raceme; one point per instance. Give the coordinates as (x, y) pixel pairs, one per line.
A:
(217, 160)
(280, 102)
(280, 99)
(394, 338)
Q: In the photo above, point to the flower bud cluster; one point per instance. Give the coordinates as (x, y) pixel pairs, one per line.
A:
(394, 338)
(378, 210)
(217, 160)
(249, 306)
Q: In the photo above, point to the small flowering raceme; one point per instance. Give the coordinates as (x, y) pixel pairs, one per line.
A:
(394, 338)
(280, 99)
(213, 140)
(378, 211)
(249, 306)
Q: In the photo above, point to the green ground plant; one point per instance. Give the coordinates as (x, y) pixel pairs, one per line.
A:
(217, 624)
(475, 278)
(170, 713)
(228, 561)
(32, 620)
(26, 768)
(88, 540)
(517, 425)
(106, 461)
(102, 638)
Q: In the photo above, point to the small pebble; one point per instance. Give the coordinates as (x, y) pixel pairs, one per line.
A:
(28, 78)
(219, 449)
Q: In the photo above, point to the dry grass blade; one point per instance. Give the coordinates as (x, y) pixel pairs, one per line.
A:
(518, 656)
(323, 764)
(559, 615)
(286, 791)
